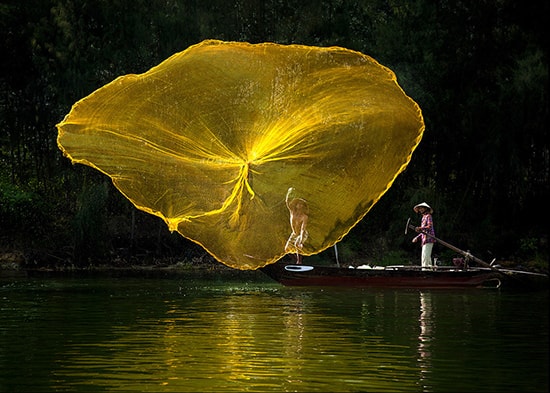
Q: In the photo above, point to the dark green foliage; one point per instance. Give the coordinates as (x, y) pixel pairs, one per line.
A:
(21, 211)
(478, 69)
(89, 224)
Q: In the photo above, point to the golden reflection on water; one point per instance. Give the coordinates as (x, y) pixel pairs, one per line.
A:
(244, 342)
(160, 335)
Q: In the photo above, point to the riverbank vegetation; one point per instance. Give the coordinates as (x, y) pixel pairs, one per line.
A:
(478, 70)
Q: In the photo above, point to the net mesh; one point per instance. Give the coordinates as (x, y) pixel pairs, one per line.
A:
(219, 139)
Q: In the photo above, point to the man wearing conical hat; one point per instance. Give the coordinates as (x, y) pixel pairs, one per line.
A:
(426, 233)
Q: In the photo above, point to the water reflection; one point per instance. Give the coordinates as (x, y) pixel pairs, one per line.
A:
(426, 334)
(165, 335)
(256, 340)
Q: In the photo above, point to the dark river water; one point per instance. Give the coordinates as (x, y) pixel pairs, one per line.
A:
(250, 334)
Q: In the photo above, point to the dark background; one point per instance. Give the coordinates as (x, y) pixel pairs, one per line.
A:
(478, 69)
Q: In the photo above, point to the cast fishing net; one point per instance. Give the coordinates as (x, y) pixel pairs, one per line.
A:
(212, 139)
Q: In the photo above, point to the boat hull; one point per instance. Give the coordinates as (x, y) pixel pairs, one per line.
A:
(399, 277)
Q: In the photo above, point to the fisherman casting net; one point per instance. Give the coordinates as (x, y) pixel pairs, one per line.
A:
(218, 140)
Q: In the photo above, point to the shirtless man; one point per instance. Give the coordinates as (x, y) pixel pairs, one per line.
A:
(298, 222)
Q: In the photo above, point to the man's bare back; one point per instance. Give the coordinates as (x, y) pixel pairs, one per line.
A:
(299, 211)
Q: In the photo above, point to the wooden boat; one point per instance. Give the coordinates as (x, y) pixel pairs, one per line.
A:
(400, 276)
(461, 275)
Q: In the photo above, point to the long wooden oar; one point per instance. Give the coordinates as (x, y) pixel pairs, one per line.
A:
(465, 254)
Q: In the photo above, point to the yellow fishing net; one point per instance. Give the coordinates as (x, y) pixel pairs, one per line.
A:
(224, 139)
